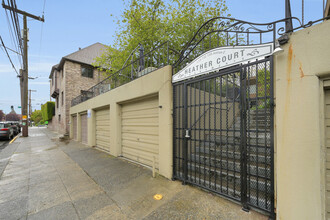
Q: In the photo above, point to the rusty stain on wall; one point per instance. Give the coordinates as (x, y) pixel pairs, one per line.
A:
(287, 93)
(289, 64)
(301, 70)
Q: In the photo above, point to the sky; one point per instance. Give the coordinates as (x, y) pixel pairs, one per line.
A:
(79, 23)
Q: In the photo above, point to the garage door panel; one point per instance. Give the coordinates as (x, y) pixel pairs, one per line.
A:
(84, 129)
(143, 146)
(142, 117)
(141, 138)
(102, 117)
(140, 131)
(74, 121)
(102, 122)
(141, 124)
(140, 113)
(140, 156)
(100, 133)
(148, 120)
(145, 130)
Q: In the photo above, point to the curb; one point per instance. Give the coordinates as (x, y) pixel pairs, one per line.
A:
(13, 139)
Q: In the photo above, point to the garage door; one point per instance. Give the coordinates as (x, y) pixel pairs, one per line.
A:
(327, 143)
(84, 131)
(103, 129)
(74, 124)
(140, 131)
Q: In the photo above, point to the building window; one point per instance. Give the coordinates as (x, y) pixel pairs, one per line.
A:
(87, 71)
(59, 117)
(57, 102)
(62, 98)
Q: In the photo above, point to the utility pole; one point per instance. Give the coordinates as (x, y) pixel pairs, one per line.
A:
(24, 73)
(30, 106)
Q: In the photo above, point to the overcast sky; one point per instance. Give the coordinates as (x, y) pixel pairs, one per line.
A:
(70, 24)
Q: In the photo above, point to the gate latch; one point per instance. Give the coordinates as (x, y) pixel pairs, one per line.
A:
(187, 134)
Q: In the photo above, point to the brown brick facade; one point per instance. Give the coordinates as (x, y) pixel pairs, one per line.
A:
(70, 82)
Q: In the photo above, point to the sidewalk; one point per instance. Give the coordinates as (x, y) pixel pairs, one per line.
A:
(48, 179)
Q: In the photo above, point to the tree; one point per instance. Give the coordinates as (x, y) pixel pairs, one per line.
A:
(36, 116)
(12, 117)
(153, 22)
(2, 115)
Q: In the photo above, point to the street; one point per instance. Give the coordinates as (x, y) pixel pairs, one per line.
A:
(3, 144)
(42, 178)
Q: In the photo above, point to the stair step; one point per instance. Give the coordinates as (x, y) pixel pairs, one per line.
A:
(252, 199)
(204, 172)
(252, 138)
(215, 147)
(224, 154)
(262, 170)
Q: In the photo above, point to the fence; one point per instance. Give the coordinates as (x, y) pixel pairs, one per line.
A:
(147, 63)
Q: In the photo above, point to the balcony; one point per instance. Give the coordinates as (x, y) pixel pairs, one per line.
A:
(55, 93)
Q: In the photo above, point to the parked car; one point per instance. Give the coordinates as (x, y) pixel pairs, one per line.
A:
(6, 131)
(16, 127)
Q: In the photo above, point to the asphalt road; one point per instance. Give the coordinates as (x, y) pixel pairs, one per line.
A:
(6, 151)
(3, 144)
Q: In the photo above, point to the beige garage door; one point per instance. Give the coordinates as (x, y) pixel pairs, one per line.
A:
(74, 124)
(84, 130)
(327, 143)
(140, 131)
(103, 129)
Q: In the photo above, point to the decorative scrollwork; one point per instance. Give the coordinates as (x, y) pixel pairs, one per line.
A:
(281, 31)
(235, 32)
(270, 27)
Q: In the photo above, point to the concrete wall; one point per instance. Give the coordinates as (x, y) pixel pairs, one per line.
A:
(155, 83)
(299, 136)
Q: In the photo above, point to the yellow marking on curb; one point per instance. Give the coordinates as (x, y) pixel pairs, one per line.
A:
(13, 139)
(158, 197)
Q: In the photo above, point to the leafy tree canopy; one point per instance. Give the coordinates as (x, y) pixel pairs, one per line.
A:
(36, 116)
(2, 115)
(153, 22)
(12, 117)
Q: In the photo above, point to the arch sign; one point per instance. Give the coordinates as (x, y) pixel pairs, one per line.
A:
(222, 57)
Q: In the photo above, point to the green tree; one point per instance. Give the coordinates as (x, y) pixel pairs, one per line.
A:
(36, 116)
(153, 22)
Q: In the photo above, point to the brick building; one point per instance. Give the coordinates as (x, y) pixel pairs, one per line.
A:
(68, 79)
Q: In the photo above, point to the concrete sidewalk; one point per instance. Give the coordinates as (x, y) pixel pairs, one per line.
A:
(48, 179)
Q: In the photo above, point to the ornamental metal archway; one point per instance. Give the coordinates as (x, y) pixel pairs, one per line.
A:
(223, 106)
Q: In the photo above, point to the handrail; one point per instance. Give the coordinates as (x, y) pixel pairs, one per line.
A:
(197, 120)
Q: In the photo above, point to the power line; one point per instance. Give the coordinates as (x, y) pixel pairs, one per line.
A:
(5, 49)
(13, 38)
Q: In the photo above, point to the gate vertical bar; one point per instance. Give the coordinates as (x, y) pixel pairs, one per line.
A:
(185, 140)
(174, 131)
(272, 104)
(243, 140)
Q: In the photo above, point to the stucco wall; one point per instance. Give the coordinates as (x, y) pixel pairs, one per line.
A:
(157, 82)
(299, 123)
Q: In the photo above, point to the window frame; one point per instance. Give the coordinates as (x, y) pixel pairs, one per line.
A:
(87, 68)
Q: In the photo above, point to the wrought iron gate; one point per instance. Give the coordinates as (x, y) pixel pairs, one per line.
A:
(223, 133)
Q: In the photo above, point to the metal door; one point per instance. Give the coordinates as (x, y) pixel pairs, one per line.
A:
(223, 133)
